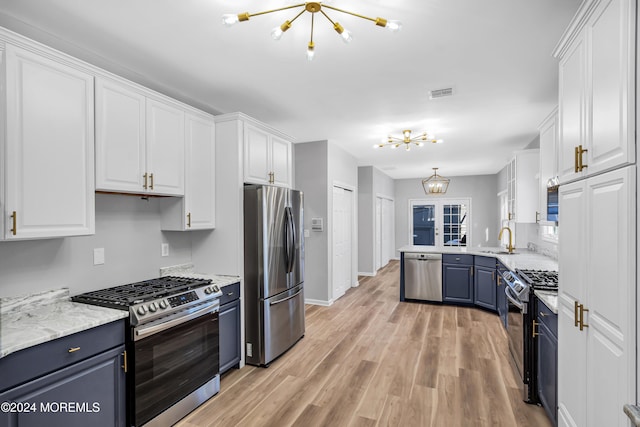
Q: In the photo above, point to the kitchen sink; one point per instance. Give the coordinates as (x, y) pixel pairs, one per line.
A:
(499, 252)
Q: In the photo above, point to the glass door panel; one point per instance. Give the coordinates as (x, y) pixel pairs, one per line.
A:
(424, 228)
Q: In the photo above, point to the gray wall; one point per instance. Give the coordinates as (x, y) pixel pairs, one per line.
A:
(311, 177)
(481, 189)
(127, 227)
(318, 166)
(371, 183)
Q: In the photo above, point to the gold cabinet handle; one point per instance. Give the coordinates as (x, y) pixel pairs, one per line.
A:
(493, 276)
(151, 179)
(189, 220)
(73, 349)
(145, 176)
(124, 362)
(499, 281)
(582, 324)
(576, 309)
(576, 161)
(537, 217)
(14, 217)
(533, 329)
(271, 178)
(581, 151)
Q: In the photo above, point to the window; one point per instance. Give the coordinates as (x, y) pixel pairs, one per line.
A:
(438, 223)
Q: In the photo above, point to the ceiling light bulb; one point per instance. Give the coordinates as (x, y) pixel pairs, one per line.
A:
(438, 141)
(420, 144)
(408, 147)
(229, 19)
(346, 36)
(311, 51)
(393, 147)
(277, 32)
(393, 26)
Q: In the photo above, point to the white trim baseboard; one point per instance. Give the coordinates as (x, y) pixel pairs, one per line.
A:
(361, 273)
(318, 302)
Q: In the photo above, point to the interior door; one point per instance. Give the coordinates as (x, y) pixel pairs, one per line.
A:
(342, 240)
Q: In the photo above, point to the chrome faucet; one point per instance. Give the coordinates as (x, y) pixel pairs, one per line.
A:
(510, 246)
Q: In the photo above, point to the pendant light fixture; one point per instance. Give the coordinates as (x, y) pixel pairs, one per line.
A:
(313, 8)
(407, 140)
(435, 184)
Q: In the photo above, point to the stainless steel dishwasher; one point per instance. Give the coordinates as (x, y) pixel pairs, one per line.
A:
(423, 276)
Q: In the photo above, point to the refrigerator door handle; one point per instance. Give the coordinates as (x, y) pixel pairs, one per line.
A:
(293, 238)
(286, 299)
(287, 246)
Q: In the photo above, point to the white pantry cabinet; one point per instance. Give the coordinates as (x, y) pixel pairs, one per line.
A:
(139, 141)
(267, 156)
(597, 89)
(548, 155)
(596, 300)
(48, 147)
(196, 210)
(521, 184)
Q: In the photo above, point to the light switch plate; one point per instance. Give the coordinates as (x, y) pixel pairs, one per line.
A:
(164, 248)
(98, 256)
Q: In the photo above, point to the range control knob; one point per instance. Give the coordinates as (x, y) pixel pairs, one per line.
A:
(141, 311)
(208, 290)
(153, 307)
(163, 304)
(216, 288)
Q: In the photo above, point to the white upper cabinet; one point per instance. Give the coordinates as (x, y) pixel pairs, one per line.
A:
(49, 148)
(548, 155)
(120, 137)
(597, 87)
(267, 157)
(139, 142)
(196, 210)
(522, 182)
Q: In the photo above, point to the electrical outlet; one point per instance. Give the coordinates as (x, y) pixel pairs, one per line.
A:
(164, 248)
(98, 256)
(249, 349)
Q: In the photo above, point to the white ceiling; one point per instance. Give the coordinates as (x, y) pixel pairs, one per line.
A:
(496, 54)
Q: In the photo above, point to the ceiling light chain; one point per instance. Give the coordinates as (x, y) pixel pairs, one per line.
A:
(311, 7)
(407, 140)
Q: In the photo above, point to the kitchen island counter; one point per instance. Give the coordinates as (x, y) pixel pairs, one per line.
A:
(42, 317)
(521, 259)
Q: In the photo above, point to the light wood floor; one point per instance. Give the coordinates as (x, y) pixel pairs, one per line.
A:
(371, 360)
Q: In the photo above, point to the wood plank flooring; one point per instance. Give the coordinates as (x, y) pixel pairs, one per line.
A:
(370, 360)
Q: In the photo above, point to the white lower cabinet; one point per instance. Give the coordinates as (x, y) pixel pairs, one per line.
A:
(196, 210)
(597, 299)
(48, 153)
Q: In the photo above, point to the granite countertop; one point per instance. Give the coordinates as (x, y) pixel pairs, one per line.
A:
(550, 299)
(38, 318)
(520, 259)
(187, 270)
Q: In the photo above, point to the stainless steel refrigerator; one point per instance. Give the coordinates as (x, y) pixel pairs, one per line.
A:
(273, 271)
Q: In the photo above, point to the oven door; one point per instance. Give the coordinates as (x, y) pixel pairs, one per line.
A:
(171, 360)
(515, 330)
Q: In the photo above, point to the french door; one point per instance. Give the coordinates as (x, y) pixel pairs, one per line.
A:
(441, 222)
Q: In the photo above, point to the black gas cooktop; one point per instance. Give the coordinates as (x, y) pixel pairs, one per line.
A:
(124, 296)
(540, 279)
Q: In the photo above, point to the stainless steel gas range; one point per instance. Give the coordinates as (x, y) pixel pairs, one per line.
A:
(520, 316)
(172, 345)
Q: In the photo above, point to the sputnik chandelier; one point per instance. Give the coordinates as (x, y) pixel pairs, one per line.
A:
(407, 140)
(313, 8)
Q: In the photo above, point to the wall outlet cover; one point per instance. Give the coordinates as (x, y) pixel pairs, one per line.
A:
(164, 248)
(98, 256)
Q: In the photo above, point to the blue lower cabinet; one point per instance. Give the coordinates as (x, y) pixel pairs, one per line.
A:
(87, 393)
(457, 283)
(485, 287)
(547, 364)
(229, 321)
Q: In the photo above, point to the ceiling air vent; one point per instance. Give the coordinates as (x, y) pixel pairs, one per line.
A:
(440, 93)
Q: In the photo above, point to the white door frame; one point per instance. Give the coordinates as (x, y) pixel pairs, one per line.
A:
(353, 276)
(439, 203)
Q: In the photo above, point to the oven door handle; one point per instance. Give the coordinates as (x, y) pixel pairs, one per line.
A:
(515, 301)
(142, 332)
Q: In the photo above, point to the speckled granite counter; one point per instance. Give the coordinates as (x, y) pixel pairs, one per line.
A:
(34, 319)
(187, 270)
(550, 299)
(521, 259)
